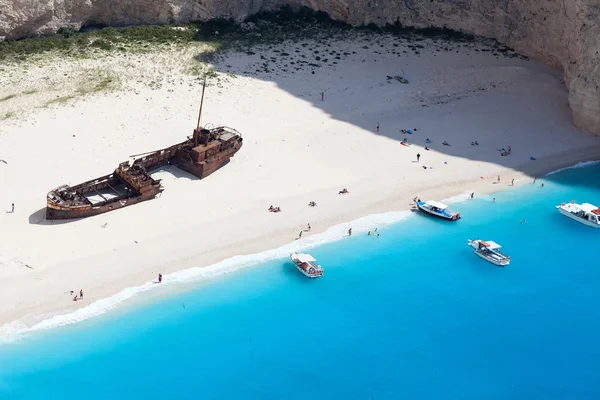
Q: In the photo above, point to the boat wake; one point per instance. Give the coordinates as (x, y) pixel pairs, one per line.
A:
(15, 330)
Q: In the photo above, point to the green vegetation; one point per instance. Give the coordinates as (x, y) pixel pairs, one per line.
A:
(60, 100)
(222, 35)
(103, 81)
(301, 25)
(10, 96)
(8, 115)
(68, 40)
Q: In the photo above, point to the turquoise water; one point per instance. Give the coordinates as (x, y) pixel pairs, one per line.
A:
(413, 314)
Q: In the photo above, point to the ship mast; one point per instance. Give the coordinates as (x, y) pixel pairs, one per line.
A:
(201, 102)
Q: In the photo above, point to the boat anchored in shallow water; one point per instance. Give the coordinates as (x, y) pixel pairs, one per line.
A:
(586, 213)
(307, 265)
(437, 209)
(489, 251)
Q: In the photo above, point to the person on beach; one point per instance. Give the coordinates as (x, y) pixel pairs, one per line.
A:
(512, 183)
(12, 207)
(81, 294)
(498, 178)
(378, 127)
(159, 278)
(300, 235)
(472, 194)
(534, 179)
(309, 227)
(350, 232)
(418, 157)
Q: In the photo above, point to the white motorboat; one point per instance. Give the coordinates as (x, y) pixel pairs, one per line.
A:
(437, 209)
(586, 213)
(489, 251)
(307, 265)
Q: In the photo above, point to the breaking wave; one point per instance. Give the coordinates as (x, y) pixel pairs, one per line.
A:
(458, 198)
(578, 165)
(17, 329)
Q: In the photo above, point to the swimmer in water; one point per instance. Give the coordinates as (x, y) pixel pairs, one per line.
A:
(522, 222)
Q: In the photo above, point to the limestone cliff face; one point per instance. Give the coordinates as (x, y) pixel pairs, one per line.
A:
(562, 33)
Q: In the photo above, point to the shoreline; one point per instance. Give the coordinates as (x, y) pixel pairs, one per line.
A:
(389, 212)
(308, 113)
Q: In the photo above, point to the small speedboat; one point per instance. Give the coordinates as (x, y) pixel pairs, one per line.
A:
(586, 213)
(489, 251)
(307, 265)
(437, 209)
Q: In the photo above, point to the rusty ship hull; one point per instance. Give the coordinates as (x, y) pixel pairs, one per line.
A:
(200, 155)
(97, 196)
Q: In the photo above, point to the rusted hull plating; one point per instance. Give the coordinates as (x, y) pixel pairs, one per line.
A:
(101, 195)
(53, 212)
(130, 185)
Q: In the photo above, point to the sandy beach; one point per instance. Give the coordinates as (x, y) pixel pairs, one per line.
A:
(297, 148)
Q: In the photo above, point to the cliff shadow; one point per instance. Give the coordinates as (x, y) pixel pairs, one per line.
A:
(437, 90)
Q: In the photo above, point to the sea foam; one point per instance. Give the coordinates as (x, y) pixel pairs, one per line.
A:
(578, 165)
(458, 198)
(17, 329)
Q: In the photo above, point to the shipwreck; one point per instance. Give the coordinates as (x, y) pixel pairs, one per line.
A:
(200, 155)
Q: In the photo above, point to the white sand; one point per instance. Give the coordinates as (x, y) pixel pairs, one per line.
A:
(296, 149)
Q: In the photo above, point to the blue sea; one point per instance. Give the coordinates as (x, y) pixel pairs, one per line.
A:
(413, 314)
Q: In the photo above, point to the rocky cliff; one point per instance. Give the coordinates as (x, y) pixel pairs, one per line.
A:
(562, 33)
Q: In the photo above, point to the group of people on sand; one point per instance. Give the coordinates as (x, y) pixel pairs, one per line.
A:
(409, 131)
(505, 152)
(77, 297)
(310, 204)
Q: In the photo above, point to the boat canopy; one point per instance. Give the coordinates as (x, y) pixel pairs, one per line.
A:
(490, 245)
(589, 208)
(304, 257)
(436, 204)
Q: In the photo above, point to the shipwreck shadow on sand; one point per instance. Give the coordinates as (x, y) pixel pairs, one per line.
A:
(181, 174)
(39, 218)
(173, 171)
